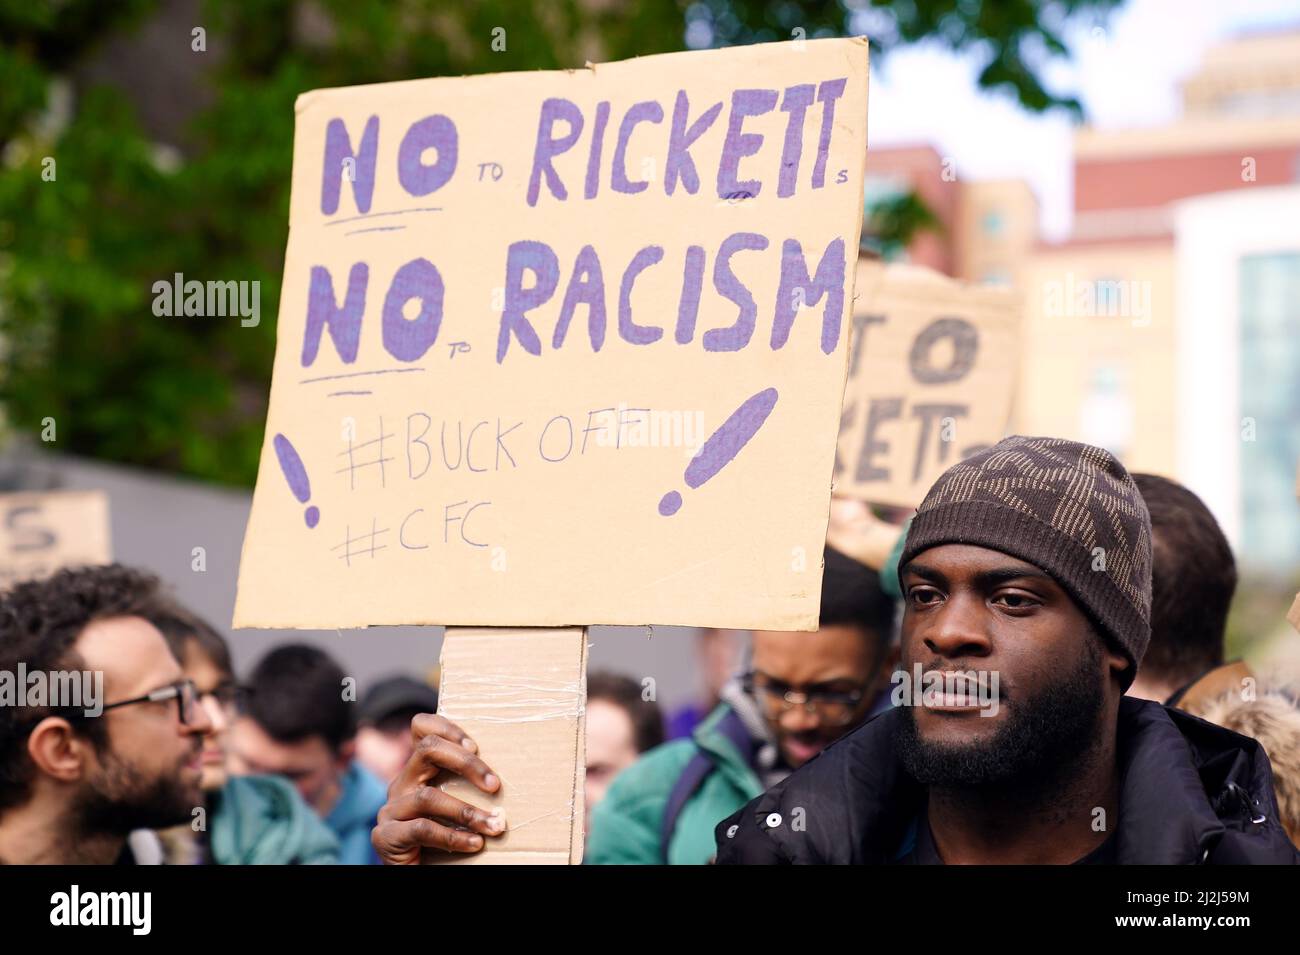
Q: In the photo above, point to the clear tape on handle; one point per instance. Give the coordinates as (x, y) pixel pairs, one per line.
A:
(502, 703)
(566, 814)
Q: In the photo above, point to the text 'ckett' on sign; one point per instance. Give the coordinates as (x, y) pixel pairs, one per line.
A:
(932, 369)
(564, 347)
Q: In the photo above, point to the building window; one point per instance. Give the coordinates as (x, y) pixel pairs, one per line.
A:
(1112, 297)
(1270, 407)
(1106, 414)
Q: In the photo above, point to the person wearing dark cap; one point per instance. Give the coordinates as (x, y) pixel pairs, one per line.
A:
(384, 742)
(1026, 576)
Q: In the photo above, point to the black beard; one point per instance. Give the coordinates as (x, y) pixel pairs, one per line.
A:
(120, 800)
(1043, 736)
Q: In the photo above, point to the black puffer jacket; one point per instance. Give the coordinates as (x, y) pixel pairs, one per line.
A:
(1192, 792)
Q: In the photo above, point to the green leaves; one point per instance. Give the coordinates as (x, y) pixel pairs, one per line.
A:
(79, 254)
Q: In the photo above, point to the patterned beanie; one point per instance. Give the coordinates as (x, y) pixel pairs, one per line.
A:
(1069, 509)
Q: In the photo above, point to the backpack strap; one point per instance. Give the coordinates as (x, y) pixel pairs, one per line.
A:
(696, 771)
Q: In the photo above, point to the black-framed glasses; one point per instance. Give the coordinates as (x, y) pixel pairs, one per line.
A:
(184, 692)
(228, 693)
(834, 707)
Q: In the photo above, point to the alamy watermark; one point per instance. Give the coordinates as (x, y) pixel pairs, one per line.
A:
(627, 427)
(176, 297)
(947, 689)
(57, 689)
(133, 910)
(1110, 298)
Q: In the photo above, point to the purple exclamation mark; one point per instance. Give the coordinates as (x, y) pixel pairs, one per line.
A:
(296, 475)
(723, 445)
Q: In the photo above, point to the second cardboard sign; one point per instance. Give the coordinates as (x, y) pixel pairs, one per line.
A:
(932, 368)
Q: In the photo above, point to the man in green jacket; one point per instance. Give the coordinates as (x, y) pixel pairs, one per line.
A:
(801, 692)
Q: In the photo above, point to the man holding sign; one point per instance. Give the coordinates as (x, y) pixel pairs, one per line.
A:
(1027, 585)
(480, 365)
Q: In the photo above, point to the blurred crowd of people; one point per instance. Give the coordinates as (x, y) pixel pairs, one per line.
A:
(187, 765)
(1116, 693)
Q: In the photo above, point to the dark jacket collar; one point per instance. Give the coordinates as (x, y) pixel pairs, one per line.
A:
(1189, 791)
(1165, 816)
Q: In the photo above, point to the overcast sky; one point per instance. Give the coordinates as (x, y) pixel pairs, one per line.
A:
(1125, 73)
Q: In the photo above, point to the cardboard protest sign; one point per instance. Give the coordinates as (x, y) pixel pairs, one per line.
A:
(932, 367)
(564, 347)
(519, 695)
(43, 531)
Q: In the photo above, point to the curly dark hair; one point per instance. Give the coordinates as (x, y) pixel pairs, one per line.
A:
(40, 621)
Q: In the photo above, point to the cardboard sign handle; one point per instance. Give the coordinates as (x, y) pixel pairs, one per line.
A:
(521, 695)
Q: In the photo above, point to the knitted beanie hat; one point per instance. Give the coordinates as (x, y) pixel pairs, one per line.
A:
(1068, 508)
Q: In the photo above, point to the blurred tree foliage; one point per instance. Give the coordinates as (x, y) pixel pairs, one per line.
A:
(79, 253)
(891, 222)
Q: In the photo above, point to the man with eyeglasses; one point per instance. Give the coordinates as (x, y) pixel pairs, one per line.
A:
(74, 786)
(801, 692)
